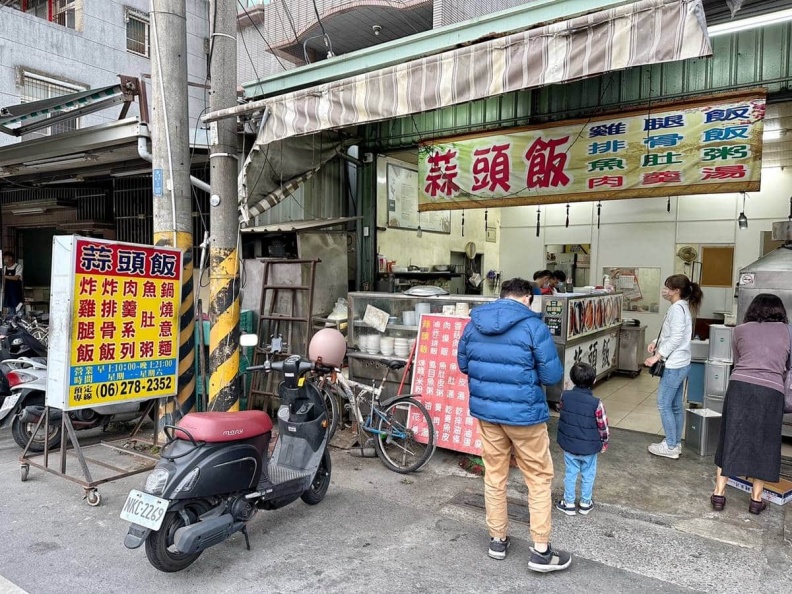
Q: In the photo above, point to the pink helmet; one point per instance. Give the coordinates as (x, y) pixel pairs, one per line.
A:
(329, 345)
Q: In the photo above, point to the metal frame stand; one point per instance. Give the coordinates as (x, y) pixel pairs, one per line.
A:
(87, 482)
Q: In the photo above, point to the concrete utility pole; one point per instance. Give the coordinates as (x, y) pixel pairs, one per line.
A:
(223, 254)
(172, 193)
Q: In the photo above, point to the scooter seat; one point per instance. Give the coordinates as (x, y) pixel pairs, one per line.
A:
(215, 427)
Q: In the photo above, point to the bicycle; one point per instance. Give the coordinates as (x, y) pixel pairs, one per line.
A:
(397, 425)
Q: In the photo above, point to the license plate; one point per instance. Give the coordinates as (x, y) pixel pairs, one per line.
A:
(144, 510)
(8, 404)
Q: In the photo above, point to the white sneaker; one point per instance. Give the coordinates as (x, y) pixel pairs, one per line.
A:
(662, 449)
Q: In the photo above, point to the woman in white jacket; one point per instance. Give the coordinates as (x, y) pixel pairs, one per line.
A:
(674, 348)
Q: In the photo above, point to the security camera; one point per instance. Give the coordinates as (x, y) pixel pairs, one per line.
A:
(376, 29)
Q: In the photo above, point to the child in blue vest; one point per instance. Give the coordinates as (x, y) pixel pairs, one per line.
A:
(582, 434)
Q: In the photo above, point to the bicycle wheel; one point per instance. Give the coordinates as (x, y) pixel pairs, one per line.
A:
(400, 422)
(333, 410)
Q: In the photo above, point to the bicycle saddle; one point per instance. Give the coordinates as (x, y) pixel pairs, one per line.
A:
(396, 364)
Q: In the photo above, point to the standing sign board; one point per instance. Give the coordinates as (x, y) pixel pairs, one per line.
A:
(444, 388)
(114, 322)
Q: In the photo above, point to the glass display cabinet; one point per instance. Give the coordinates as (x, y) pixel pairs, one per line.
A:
(369, 350)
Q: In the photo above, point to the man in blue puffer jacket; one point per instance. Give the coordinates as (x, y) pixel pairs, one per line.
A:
(508, 355)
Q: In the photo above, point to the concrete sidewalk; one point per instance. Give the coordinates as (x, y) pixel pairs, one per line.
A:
(675, 493)
(652, 531)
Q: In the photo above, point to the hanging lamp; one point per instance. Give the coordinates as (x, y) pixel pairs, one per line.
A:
(742, 220)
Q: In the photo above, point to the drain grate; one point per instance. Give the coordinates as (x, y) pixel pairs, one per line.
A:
(517, 509)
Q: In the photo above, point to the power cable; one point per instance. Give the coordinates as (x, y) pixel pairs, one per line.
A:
(288, 17)
(272, 51)
(291, 20)
(318, 18)
(401, 14)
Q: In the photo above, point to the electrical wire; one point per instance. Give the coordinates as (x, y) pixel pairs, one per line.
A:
(252, 63)
(401, 14)
(280, 19)
(255, 26)
(291, 20)
(318, 18)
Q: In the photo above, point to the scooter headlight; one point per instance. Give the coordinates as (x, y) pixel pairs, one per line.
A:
(188, 482)
(156, 481)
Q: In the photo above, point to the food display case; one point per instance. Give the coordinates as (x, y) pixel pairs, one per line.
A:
(367, 355)
(585, 327)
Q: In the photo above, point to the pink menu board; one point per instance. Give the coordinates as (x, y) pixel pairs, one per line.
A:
(443, 387)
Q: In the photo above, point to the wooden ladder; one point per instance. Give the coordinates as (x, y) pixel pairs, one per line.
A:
(284, 310)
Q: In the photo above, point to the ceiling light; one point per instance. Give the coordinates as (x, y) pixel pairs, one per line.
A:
(773, 18)
(28, 211)
(773, 134)
(143, 171)
(58, 160)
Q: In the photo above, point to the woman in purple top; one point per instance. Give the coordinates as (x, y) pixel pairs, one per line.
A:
(753, 409)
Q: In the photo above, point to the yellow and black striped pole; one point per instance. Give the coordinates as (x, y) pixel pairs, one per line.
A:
(224, 334)
(224, 218)
(171, 190)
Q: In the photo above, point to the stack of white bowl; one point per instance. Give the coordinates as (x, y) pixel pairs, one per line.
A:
(362, 342)
(401, 347)
(373, 344)
(410, 344)
(387, 344)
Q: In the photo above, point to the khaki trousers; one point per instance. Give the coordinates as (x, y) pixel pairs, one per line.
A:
(532, 450)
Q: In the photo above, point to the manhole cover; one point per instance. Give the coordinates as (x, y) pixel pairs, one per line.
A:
(517, 509)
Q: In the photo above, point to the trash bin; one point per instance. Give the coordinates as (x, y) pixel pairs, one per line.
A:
(702, 429)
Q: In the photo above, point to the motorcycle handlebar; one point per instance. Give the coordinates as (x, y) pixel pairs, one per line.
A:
(303, 366)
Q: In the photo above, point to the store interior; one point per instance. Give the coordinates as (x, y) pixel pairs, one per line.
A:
(642, 240)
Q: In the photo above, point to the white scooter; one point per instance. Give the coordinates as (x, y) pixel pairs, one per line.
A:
(27, 378)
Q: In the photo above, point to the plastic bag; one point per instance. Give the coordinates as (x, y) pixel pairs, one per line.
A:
(340, 312)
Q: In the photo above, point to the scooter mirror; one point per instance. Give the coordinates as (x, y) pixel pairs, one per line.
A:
(248, 340)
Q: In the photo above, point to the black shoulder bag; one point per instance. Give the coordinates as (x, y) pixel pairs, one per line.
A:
(659, 366)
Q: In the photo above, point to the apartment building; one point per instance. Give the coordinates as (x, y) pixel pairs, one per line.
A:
(100, 186)
(280, 35)
(50, 48)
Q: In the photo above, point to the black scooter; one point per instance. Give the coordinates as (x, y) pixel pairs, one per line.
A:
(214, 474)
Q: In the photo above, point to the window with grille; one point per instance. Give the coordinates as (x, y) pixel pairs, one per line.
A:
(137, 32)
(36, 87)
(62, 12)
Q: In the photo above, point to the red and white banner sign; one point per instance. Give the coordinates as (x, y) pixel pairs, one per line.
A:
(443, 387)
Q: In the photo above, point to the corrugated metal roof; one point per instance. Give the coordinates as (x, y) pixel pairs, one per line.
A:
(288, 226)
(718, 11)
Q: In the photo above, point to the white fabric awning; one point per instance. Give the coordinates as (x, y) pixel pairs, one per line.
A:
(645, 32)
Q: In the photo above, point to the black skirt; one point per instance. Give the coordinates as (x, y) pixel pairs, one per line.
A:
(750, 437)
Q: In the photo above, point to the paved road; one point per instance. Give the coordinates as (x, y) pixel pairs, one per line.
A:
(375, 531)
